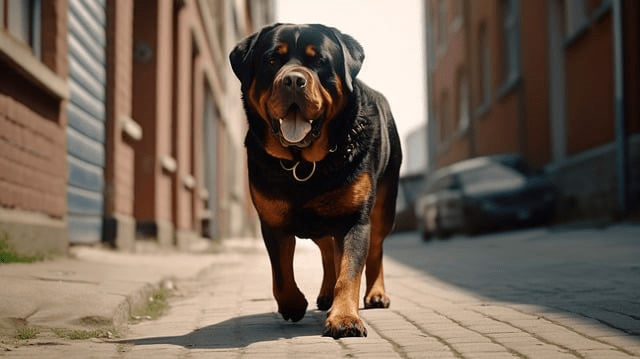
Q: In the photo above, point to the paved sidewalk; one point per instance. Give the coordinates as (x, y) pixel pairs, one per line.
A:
(234, 316)
(93, 289)
(228, 312)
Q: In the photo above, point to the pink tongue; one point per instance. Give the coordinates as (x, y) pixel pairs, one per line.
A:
(294, 127)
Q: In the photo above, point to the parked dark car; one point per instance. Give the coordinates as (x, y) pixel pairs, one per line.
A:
(409, 188)
(484, 193)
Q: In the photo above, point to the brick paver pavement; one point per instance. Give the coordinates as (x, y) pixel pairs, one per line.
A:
(229, 312)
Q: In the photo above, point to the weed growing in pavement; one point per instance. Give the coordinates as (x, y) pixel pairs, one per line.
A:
(155, 306)
(83, 334)
(8, 253)
(26, 333)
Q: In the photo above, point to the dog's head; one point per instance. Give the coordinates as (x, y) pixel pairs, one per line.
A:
(297, 79)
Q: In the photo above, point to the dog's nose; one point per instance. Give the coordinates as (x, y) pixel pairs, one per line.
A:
(294, 80)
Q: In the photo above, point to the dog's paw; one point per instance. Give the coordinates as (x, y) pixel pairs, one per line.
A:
(344, 326)
(377, 301)
(324, 302)
(293, 310)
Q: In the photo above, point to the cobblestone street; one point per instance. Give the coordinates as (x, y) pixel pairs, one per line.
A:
(527, 294)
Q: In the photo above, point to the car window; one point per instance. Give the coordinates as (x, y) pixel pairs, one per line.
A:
(491, 178)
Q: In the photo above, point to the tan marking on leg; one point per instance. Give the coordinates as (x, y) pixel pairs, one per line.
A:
(273, 212)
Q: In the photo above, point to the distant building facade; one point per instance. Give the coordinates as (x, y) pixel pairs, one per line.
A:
(416, 156)
(537, 78)
(121, 120)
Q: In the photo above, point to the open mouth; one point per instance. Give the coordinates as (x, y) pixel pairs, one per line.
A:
(294, 127)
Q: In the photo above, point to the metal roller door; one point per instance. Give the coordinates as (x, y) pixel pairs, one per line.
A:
(86, 116)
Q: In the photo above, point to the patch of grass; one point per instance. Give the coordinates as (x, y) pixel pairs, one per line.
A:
(8, 254)
(26, 333)
(155, 306)
(83, 334)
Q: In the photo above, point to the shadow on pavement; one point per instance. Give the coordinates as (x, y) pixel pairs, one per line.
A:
(240, 332)
(590, 272)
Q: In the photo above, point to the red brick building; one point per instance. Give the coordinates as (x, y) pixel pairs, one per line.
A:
(121, 120)
(536, 78)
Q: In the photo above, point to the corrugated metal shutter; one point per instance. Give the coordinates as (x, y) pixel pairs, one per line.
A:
(86, 114)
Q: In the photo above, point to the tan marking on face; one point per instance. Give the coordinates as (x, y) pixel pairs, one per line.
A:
(274, 147)
(271, 143)
(310, 51)
(258, 101)
(332, 105)
(282, 49)
(313, 105)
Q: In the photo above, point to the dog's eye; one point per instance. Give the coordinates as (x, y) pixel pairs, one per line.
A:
(271, 62)
(319, 62)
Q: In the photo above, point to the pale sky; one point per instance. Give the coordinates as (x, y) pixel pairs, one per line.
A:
(392, 35)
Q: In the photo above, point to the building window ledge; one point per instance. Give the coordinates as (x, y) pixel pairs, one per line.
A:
(204, 193)
(461, 132)
(577, 33)
(189, 181)
(131, 128)
(483, 109)
(168, 163)
(510, 84)
(601, 11)
(456, 24)
(23, 60)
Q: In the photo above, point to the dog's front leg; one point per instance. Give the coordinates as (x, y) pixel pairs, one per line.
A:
(350, 256)
(291, 302)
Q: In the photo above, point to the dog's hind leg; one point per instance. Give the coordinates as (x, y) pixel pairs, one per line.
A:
(382, 216)
(325, 297)
(291, 302)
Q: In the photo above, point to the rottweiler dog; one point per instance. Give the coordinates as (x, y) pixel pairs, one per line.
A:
(323, 162)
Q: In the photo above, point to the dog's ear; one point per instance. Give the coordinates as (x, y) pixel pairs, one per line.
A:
(353, 55)
(241, 57)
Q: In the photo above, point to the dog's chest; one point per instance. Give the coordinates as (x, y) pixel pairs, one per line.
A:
(284, 212)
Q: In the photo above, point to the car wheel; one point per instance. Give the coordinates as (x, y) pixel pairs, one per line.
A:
(438, 232)
(471, 226)
(422, 228)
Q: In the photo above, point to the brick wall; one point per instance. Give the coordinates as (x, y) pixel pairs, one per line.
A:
(32, 122)
(32, 158)
(33, 169)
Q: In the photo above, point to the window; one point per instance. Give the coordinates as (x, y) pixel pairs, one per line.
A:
(485, 67)
(21, 20)
(443, 23)
(511, 40)
(463, 103)
(576, 16)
